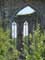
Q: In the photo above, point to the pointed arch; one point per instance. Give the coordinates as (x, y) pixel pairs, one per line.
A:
(26, 11)
(25, 29)
(14, 29)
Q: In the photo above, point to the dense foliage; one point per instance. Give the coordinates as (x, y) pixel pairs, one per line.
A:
(7, 47)
(33, 45)
(36, 48)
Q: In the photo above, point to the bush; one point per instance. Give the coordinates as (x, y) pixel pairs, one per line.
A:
(36, 50)
(7, 48)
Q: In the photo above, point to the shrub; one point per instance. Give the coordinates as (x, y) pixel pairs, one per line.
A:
(35, 50)
(7, 48)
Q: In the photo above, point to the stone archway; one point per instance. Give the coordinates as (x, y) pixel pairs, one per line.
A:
(27, 14)
(22, 16)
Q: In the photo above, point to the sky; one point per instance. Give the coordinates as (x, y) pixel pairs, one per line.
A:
(26, 10)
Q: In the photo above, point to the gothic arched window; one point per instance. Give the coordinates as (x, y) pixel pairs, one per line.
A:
(25, 29)
(14, 30)
(26, 11)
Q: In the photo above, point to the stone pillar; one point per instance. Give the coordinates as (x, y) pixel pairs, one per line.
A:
(19, 36)
(30, 27)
